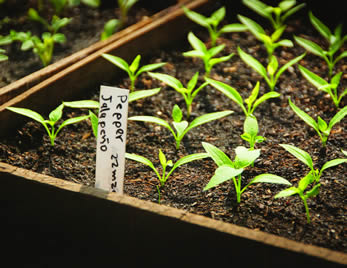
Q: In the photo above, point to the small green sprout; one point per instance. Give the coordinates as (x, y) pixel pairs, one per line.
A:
(4, 40)
(270, 42)
(164, 164)
(212, 22)
(302, 192)
(132, 69)
(54, 117)
(321, 84)
(335, 41)
(110, 28)
(188, 93)
(228, 169)
(321, 127)
(276, 15)
(251, 129)
(42, 47)
(181, 126)
(94, 105)
(307, 160)
(271, 73)
(3, 57)
(207, 55)
(125, 6)
(252, 101)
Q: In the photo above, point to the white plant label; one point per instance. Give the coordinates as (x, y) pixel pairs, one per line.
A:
(112, 128)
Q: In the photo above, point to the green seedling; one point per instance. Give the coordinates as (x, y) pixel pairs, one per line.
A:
(307, 160)
(125, 6)
(207, 55)
(250, 131)
(271, 73)
(94, 105)
(276, 15)
(110, 28)
(188, 93)
(228, 169)
(42, 47)
(270, 42)
(164, 164)
(252, 101)
(3, 57)
(335, 40)
(181, 126)
(132, 69)
(302, 192)
(321, 84)
(49, 124)
(321, 127)
(212, 22)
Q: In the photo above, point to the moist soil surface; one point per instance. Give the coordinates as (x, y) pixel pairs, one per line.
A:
(84, 30)
(73, 156)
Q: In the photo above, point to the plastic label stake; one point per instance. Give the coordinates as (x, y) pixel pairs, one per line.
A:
(112, 128)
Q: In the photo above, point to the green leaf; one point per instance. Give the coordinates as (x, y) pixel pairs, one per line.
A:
(91, 3)
(269, 178)
(272, 66)
(192, 82)
(162, 158)
(322, 125)
(253, 63)
(258, 6)
(254, 27)
(338, 117)
(218, 156)
(266, 96)
(310, 46)
(221, 59)
(304, 116)
(87, 104)
(305, 181)
(222, 174)
(177, 113)
(314, 79)
(245, 157)
(218, 15)
(186, 159)
(109, 28)
(215, 50)
(299, 154)
(119, 62)
(168, 79)
(151, 119)
(59, 38)
(180, 128)
(135, 64)
(27, 112)
(254, 95)
(313, 192)
(320, 27)
(207, 118)
(235, 27)
(292, 11)
(196, 17)
(288, 64)
(196, 43)
(140, 94)
(333, 163)
(142, 160)
(94, 121)
(150, 67)
(250, 125)
(57, 113)
(227, 90)
(287, 192)
(71, 121)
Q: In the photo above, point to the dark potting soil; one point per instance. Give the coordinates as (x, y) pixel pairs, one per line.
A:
(73, 156)
(84, 30)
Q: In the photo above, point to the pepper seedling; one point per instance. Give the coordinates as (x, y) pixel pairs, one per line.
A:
(164, 164)
(302, 192)
(321, 84)
(4, 40)
(110, 28)
(207, 55)
(307, 160)
(252, 101)
(181, 126)
(320, 126)
(125, 6)
(250, 131)
(132, 69)
(211, 23)
(335, 40)
(188, 93)
(54, 117)
(270, 42)
(228, 169)
(276, 15)
(271, 73)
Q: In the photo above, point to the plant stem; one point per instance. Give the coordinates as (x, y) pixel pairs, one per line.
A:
(306, 209)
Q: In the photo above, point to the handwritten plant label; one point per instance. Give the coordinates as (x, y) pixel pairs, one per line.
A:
(112, 127)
